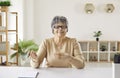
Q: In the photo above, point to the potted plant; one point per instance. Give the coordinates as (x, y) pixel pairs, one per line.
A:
(4, 5)
(97, 34)
(23, 48)
(103, 48)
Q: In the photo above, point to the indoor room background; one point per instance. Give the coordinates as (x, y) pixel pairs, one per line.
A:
(35, 18)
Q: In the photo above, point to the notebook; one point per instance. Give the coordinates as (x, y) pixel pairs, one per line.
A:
(28, 74)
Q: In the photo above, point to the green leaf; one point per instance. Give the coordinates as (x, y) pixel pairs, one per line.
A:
(5, 3)
(13, 55)
(97, 34)
(24, 46)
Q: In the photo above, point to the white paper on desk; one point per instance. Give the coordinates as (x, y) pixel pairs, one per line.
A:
(28, 74)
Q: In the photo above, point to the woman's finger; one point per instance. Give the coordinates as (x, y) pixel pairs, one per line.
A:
(33, 55)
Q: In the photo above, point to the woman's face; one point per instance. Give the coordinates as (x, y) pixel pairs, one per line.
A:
(60, 29)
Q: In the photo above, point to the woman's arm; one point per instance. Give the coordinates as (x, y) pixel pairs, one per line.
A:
(37, 58)
(77, 60)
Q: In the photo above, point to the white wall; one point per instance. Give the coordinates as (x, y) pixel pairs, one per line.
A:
(81, 25)
(17, 6)
(28, 19)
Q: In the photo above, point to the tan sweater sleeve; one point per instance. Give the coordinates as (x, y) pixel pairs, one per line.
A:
(77, 60)
(41, 54)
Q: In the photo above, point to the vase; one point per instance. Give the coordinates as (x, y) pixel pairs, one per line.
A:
(24, 61)
(4, 8)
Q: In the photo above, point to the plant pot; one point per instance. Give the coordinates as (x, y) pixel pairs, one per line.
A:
(4, 8)
(97, 39)
(103, 49)
(24, 61)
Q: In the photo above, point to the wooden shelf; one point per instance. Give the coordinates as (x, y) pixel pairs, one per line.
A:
(2, 53)
(93, 49)
(6, 32)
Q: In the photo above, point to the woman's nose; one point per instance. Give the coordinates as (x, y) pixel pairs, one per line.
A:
(60, 28)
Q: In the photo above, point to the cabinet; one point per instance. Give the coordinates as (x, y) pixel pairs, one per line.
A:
(5, 32)
(101, 51)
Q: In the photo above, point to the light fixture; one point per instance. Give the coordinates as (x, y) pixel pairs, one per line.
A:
(89, 8)
(109, 8)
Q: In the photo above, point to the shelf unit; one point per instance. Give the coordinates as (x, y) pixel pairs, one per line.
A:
(5, 33)
(101, 51)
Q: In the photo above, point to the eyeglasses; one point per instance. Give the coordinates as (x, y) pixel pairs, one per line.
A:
(62, 27)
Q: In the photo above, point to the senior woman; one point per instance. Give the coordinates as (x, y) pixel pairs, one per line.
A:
(60, 50)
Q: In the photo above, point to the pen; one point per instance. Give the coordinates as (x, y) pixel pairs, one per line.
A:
(37, 74)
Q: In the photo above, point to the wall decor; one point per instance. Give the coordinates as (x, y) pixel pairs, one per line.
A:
(89, 8)
(109, 8)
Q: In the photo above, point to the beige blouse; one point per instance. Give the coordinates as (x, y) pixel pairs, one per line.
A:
(48, 48)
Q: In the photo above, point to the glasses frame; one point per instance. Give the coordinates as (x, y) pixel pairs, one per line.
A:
(62, 27)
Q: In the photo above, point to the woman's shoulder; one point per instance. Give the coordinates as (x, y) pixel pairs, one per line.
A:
(48, 40)
(71, 39)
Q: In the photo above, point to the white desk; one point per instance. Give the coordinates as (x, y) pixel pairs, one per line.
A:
(116, 70)
(88, 72)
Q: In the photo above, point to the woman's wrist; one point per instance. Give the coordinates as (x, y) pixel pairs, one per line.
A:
(34, 60)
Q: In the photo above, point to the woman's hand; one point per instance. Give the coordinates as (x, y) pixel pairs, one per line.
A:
(64, 56)
(33, 55)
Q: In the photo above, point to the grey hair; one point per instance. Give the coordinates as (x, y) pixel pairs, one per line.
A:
(58, 19)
